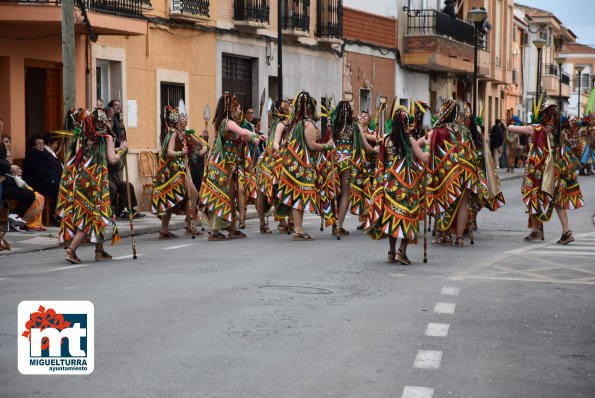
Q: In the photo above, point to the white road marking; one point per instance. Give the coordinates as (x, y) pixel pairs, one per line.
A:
(527, 248)
(417, 392)
(564, 253)
(178, 246)
(444, 308)
(4, 279)
(437, 329)
(67, 267)
(450, 291)
(127, 256)
(427, 359)
(570, 247)
(455, 278)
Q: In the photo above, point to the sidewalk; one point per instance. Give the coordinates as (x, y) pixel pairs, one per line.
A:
(23, 242)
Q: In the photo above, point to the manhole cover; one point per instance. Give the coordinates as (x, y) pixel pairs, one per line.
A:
(297, 289)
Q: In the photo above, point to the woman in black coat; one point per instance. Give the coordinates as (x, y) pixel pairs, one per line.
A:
(41, 170)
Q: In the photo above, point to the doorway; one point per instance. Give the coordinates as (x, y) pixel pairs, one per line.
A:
(43, 101)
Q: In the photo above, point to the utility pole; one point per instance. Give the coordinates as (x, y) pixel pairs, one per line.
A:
(280, 5)
(68, 56)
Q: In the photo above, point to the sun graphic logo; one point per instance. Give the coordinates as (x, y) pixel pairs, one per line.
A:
(56, 337)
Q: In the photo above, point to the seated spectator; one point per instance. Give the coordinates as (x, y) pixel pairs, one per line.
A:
(9, 185)
(41, 170)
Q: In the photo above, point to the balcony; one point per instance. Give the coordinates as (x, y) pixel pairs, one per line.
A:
(296, 21)
(551, 84)
(189, 10)
(251, 14)
(329, 22)
(104, 16)
(436, 42)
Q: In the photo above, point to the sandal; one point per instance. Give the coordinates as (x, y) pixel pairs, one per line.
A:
(360, 227)
(189, 232)
(71, 256)
(402, 258)
(443, 241)
(242, 223)
(236, 234)
(217, 236)
(534, 235)
(264, 229)
(566, 238)
(459, 241)
(102, 255)
(4, 245)
(167, 235)
(473, 226)
(304, 236)
(340, 231)
(391, 257)
(290, 227)
(283, 229)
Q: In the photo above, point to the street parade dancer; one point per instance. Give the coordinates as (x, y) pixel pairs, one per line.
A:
(351, 149)
(173, 187)
(247, 180)
(219, 190)
(83, 199)
(453, 174)
(550, 181)
(298, 185)
(368, 128)
(587, 144)
(489, 191)
(398, 200)
(269, 166)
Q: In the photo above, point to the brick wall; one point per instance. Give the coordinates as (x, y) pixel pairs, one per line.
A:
(438, 45)
(370, 28)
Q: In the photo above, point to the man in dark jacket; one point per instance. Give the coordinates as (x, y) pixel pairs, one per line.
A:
(496, 142)
(9, 190)
(41, 170)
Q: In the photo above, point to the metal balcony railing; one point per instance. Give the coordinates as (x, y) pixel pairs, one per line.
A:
(329, 19)
(193, 7)
(550, 69)
(565, 78)
(297, 15)
(124, 8)
(433, 22)
(251, 10)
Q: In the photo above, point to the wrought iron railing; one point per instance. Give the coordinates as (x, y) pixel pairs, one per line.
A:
(565, 78)
(125, 8)
(251, 10)
(297, 15)
(329, 19)
(194, 7)
(433, 22)
(551, 69)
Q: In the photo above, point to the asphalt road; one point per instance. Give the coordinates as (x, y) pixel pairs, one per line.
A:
(268, 317)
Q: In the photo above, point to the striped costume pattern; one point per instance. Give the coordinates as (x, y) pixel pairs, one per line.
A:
(170, 178)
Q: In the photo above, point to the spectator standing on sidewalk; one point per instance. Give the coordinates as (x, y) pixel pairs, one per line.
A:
(496, 142)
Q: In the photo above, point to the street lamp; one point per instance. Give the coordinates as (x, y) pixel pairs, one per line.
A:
(579, 69)
(560, 61)
(539, 44)
(477, 16)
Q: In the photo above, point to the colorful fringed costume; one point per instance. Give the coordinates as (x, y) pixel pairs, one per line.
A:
(397, 200)
(222, 168)
(170, 179)
(268, 167)
(298, 178)
(84, 200)
(359, 189)
(453, 172)
(549, 179)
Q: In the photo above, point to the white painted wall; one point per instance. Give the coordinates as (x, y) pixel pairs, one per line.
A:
(386, 8)
(412, 85)
(318, 72)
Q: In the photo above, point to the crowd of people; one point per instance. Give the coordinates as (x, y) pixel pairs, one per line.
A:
(394, 171)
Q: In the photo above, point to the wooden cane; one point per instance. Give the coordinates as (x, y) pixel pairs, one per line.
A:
(130, 210)
(188, 189)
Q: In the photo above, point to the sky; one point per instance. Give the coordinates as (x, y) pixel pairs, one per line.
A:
(576, 15)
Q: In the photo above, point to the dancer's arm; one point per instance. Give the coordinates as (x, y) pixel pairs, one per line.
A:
(171, 153)
(112, 156)
(246, 135)
(278, 134)
(419, 154)
(310, 135)
(528, 129)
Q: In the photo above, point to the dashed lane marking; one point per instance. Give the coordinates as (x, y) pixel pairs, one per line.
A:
(428, 359)
(417, 392)
(67, 267)
(178, 246)
(450, 291)
(437, 329)
(444, 308)
(127, 256)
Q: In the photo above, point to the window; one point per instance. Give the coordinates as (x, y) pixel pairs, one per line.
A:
(364, 100)
(171, 94)
(237, 77)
